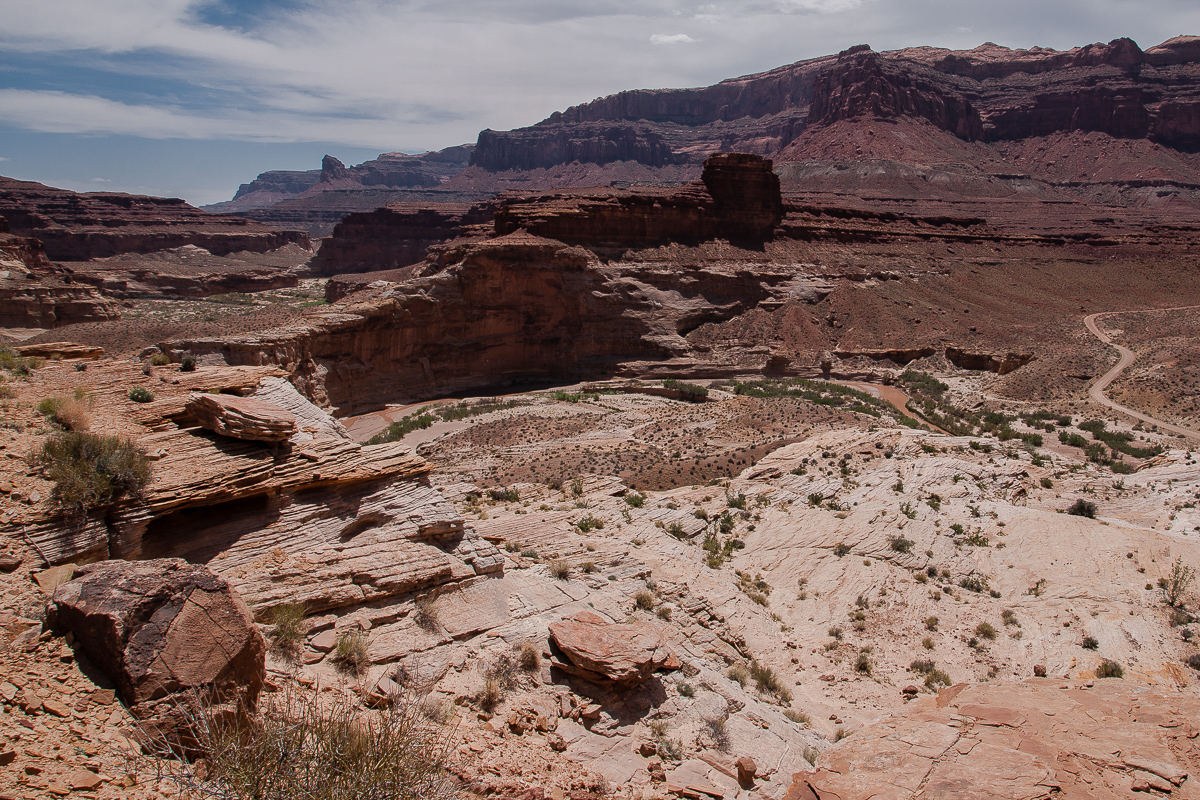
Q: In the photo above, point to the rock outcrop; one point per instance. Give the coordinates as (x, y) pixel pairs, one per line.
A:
(163, 627)
(397, 235)
(78, 227)
(1039, 738)
(318, 519)
(738, 199)
(36, 294)
(609, 652)
(241, 417)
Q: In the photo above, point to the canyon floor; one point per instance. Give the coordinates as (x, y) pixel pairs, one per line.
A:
(862, 607)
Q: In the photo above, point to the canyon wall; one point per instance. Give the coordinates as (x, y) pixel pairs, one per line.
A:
(79, 227)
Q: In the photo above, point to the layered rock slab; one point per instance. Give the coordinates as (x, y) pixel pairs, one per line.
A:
(603, 651)
(242, 417)
(1033, 739)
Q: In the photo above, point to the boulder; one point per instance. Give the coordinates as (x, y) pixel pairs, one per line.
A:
(160, 628)
(608, 652)
(242, 417)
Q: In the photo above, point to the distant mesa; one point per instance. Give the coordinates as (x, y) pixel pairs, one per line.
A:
(1041, 117)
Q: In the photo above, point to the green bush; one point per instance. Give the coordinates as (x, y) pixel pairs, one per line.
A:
(187, 363)
(900, 544)
(91, 471)
(1109, 669)
(1082, 508)
(985, 630)
(687, 391)
(140, 394)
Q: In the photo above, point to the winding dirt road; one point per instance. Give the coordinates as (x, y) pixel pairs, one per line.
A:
(1096, 390)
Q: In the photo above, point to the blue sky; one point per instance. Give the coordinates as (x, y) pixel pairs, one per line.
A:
(189, 98)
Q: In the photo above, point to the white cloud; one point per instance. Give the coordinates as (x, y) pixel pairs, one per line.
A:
(671, 38)
(101, 180)
(2, 158)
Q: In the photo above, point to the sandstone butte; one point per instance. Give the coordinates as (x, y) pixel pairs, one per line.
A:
(629, 549)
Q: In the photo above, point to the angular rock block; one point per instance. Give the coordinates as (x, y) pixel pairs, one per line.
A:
(242, 417)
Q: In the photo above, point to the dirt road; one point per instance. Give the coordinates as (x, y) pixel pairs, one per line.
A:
(1096, 390)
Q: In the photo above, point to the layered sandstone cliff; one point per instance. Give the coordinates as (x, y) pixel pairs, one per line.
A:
(78, 227)
(36, 294)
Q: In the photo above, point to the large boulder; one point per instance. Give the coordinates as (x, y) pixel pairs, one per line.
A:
(242, 417)
(161, 628)
(608, 652)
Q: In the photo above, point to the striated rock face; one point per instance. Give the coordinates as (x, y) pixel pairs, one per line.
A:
(602, 651)
(241, 417)
(397, 235)
(79, 227)
(162, 627)
(867, 84)
(36, 294)
(317, 518)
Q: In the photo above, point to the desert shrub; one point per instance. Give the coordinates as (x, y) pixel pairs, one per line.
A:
(973, 583)
(922, 666)
(901, 544)
(503, 670)
(426, 615)
(69, 412)
(529, 656)
(643, 600)
(187, 363)
(288, 630)
(687, 391)
(985, 630)
(504, 495)
(798, 717)
(1047, 483)
(739, 674)
(840, 549)
(491, 695)
(91, 471)
(1175, 586)
(160, 360)
(1109, 669)
(936, 678)
(931, 623)
(350, 653)
(863, 664)
(928, 643)
(588, 566)
(687, 690)
(1193, 661)
(1010, 617)
(767, 681)
(560, 569)
(716, 730)
(1090, 643)
(140, 394)
(589, 523)
(310, 747)
(1082, 508)
(635, 500)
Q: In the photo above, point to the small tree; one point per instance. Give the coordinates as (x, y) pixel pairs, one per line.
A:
(1175, 586)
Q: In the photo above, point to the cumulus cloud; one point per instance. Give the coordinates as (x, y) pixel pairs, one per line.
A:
(671, 38)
